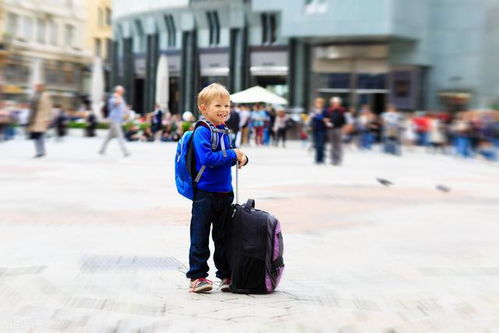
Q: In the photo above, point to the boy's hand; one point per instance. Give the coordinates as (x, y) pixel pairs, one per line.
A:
(241, 158)
(243, 161)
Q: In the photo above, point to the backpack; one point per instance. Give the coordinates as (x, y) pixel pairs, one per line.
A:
(185, 164)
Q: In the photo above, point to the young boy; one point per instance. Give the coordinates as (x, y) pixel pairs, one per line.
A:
(213, 195)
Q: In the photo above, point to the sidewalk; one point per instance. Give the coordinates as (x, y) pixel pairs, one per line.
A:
(99, 243)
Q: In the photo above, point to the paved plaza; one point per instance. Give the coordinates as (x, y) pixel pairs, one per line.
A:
(94, 243)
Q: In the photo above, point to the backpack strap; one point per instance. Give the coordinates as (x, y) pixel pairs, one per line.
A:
(214, 141)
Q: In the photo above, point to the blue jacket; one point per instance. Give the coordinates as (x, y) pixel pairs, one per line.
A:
(217, 176)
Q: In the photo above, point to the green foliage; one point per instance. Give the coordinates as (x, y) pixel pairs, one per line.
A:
(82, 125)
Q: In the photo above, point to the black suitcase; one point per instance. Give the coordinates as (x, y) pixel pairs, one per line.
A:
(255, 249)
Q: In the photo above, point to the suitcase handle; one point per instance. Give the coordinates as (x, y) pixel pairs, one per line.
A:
(249, 204)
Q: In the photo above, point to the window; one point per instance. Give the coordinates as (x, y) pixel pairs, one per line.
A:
(214, 26)
(109, 48)
(100, 17)
(98, 47)
(108, 17)
(53, 33)
(172, 32)
(69, 36)
(269, 28)
(12, 24)
(41, 31)
(27, 28)
(315, 6)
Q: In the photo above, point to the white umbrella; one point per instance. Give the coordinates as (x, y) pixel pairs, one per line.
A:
(97, 86)
(257, 94)
(162, 83)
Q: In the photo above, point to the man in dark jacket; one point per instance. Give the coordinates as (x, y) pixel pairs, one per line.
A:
(335, 120)
(233, 124)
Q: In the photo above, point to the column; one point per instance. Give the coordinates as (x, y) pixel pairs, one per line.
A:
(152, 55)
(299, 74)
(189, 80)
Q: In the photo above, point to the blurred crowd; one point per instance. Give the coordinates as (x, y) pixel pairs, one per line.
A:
(465, 134)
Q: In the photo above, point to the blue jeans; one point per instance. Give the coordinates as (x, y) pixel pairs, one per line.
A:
(391, 146)
(319, 145)
(366, 139)
(463, 146)
(209, 208)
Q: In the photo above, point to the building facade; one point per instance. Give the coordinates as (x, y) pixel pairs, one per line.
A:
(98, 34)
(43, 42)
(415, 54)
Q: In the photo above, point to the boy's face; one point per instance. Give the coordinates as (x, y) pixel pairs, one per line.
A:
(217, 110)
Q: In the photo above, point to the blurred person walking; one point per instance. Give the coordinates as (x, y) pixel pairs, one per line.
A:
(60, 122)
(436, 134)
(156, 121)
(233, 124)
(280, 127)
(461, 129)
(318, 127)
(364, 126)
(258, 120)
(244, 124)
(409, 131)
(40, 118)
(335, 120)
(91, 120)
(117, 113)
(391, 122)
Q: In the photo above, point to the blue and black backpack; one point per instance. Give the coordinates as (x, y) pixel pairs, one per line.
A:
(185, 164)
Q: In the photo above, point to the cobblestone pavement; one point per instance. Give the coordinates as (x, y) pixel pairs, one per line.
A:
(95, 243)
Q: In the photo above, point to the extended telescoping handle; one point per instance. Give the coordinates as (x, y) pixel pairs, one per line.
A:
(237, 182)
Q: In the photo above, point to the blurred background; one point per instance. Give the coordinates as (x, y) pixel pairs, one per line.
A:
(418, 55)
(99, 243)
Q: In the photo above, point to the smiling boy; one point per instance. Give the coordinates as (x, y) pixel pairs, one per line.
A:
(213, 194)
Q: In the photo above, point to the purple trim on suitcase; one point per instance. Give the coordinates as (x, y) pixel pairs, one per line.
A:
(277, 253)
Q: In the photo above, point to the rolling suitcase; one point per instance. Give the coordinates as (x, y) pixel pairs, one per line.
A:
(255, 249)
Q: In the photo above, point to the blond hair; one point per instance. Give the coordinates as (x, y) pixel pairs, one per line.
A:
(208, 93)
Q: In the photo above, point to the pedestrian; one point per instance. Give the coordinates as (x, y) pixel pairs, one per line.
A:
(60, 122)
(117, 113)
(280, 127)
(213, 194)
(391, 122)
(363, 125)
(233, 124)
(318, 127)
(335, 120)
(244, 124)
(461, 130)
(40, 118)
(258, 120)
(409, 129)
(156, 120)
(436, 134)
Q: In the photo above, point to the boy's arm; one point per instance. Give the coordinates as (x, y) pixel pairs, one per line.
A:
(202, 146)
